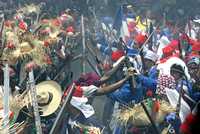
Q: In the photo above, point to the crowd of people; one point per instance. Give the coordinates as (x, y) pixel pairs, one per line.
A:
(147, 67)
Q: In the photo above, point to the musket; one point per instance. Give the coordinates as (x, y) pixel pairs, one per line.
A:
(84, 46)
(151, 38)
(58, 121)
(150, 118)
(132, 80)
(92, 66)
(34, 102)
(91, 51)
(180, 50)
(141, 49)
(1, 36)
(181, 91)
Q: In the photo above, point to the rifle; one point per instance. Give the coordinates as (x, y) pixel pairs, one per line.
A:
(1, 36)
(150, 118)
(180, 49)
(151, 38)
(132, 79)
(34, 102)
(84, 46)
(100, 68)
(142, 59)
(58, 121)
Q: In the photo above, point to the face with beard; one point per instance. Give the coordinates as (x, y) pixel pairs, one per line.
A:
(177, 72)
(148, 64)
(193, 69)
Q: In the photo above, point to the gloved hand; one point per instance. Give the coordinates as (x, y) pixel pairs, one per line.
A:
(170, 117)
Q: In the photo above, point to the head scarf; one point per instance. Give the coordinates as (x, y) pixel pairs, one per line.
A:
(151, 55)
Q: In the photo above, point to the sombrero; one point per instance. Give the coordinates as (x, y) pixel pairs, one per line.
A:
(49, 97)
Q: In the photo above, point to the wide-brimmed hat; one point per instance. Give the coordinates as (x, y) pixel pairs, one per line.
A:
(48, 96)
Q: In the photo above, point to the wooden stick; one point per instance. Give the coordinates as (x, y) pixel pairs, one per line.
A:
(84, 46)
(58, 121)
(150, 118)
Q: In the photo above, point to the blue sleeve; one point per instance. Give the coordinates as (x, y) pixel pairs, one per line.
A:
(194, 95)
(153, 73)
(125, 95)
(147, 82)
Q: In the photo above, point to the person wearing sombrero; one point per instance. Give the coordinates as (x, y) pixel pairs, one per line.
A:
(49, 96)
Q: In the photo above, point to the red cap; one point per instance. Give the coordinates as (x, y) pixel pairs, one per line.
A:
(170, 48)
(70, 29)
(140, 39)
(196, 47)
(167, 51)
(117, 54)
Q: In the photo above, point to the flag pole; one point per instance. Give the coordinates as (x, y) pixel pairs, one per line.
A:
(6, 92)
(84, 46)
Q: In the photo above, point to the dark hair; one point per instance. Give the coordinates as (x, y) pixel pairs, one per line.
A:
(177, 68)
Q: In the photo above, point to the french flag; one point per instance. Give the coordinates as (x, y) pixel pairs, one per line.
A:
(124, 23)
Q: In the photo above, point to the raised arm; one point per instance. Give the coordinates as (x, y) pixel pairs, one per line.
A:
(115, 86)
(108, 74)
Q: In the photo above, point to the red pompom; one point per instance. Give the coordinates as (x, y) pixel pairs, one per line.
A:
(46, 43)
(149, 93)
(10, 45)
(22, 25)
(70, 29)
(11, 115)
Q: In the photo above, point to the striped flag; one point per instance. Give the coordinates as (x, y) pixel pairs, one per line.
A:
(124, 23)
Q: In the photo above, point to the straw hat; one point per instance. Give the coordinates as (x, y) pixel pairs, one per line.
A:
(49, 96)
(25, 47)
(138, 117)
(17, 102)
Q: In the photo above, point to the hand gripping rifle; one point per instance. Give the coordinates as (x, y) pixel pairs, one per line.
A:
(132, 79)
